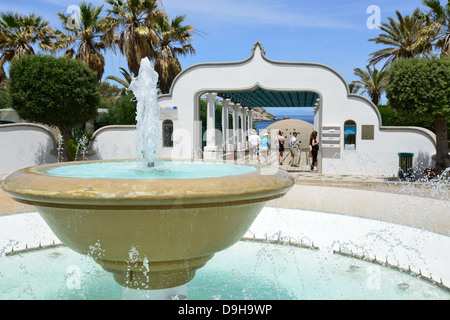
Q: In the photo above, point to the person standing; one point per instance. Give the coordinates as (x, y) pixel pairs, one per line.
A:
(279, 143)
(253, 145)
(314, 149)
(265, 147)
(293, 147)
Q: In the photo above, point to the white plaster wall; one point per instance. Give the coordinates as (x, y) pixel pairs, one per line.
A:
(114, 142)
(377, 157)
(119, 142)
(25, 145)
(380, 156)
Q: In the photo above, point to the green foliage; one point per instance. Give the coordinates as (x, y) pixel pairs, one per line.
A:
(79, 139)
(371, 81)
(420, 86)
(122, 112)
(391, 117)
(108, 92)
(57, 92)
(5, 99)
(75, 146)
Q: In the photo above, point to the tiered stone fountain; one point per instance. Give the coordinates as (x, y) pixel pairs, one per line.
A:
(150, 233)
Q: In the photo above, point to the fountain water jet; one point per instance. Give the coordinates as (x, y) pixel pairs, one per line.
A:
(153, 233)
(147, 112)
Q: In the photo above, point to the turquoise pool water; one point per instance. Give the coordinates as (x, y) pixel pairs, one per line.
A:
(246, 271)
(161, 170)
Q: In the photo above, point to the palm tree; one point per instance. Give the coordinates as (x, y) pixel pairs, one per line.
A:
(18, 34)
(136, 38)
(440, 17)
(372, 81)
(354, 87)
(127, 78)
(405, 37)
(173, 40)
(87, 37)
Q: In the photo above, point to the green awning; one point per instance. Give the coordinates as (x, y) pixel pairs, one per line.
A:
(266, 98)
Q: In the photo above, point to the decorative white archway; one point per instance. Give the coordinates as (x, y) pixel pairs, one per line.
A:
(377, 145)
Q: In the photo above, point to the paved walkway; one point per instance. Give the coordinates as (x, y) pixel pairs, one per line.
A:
(303, 176)
(439, 190)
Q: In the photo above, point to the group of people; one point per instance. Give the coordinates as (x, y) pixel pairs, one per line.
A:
(260, 148)
(294, 148)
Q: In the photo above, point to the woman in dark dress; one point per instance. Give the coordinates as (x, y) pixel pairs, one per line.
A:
(314, 149)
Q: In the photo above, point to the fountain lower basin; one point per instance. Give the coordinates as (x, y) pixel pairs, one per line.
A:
(150, 233)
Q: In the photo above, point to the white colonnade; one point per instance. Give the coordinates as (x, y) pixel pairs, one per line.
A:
(242, 122)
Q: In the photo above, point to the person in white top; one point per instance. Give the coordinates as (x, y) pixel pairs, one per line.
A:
(293, 146)
(253, 145)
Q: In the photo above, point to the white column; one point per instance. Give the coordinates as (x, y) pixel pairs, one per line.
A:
(244, 128)
(210, 149)
(236, 124)
(250, 121)
(225, 103)
(241, 119)
(211, 120)
(240, 145)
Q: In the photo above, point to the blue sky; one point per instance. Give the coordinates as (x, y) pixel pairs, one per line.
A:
(330, 32)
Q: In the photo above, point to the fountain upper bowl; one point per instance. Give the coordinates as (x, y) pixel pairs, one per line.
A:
(150, 233)
(37, 186)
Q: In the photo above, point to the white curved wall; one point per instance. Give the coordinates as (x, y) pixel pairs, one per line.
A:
(25, 145)
(373, 157)
(114, 142)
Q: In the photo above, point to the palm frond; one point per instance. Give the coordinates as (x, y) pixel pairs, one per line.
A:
(405, 37)
(124, 82)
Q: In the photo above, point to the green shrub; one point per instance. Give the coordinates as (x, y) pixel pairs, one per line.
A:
(121, 112)
(420, 88)
(5, 99)
(58, 92)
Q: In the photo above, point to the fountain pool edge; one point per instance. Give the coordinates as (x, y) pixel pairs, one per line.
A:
(418, 249)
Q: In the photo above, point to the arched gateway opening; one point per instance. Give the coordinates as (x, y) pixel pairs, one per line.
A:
(261, 82)
(229, 117)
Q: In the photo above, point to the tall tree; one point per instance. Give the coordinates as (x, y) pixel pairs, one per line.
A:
(372, 81)
(57, 92)
(133, 20)
(419, 87)
(440, 17)
(173, 40)
(87, 37)
(405, 37)
(18, 34)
